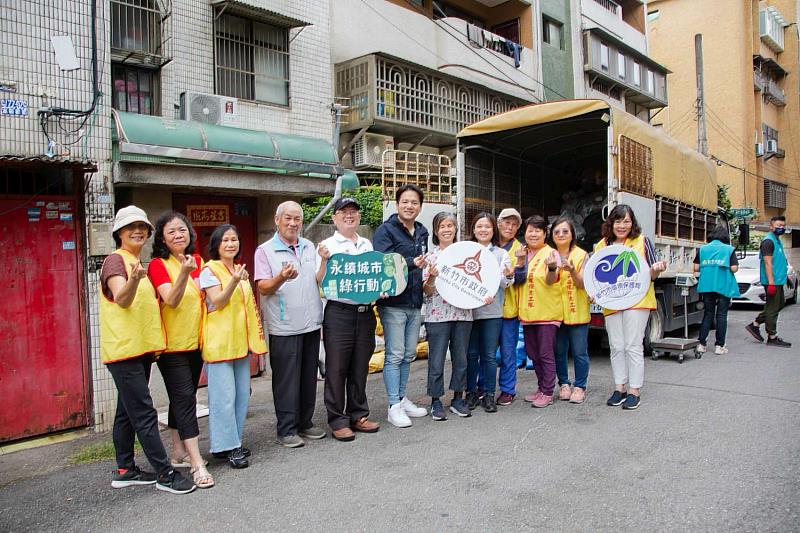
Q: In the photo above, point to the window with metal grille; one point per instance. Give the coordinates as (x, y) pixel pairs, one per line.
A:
(635, 167)
(252, 60)
(774, 194)
(136, 26)
(606, 88)
(429, 172)
(134, 90)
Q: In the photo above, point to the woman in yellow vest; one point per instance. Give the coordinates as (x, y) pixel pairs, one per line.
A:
(626, 328)
(540, 307)
(130, 336)
(232, 330)
(173, 272)
(573, 335)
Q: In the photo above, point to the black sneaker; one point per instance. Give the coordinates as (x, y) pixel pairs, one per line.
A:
(226, 453)
(631, 402)
(238, 459)
(132, 476)
(754, 331)
(777, 341)
(437, 410)
(473, 399)
(489, 404)
(174, 482)
(459, 407)
(617, 398)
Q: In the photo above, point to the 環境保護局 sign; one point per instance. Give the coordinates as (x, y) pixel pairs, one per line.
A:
(468, 274)
(363, 278)
(617, 277)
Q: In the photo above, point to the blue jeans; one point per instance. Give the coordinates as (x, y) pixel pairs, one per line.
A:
(454, 334)
(481, 358)
(400, 333)
(714, 304)
(228, 397)
(509, 337)
(575, 339)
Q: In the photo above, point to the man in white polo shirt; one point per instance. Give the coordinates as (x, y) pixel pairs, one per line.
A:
(348, 332)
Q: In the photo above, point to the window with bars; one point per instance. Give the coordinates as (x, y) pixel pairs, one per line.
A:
(134, 89)
(774, 194)
(252, 60)
(136, 26)
(635, 167)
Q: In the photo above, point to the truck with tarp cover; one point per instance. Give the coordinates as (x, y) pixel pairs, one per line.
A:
(580, 158)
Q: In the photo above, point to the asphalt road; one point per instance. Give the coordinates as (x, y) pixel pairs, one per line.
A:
(714, 447)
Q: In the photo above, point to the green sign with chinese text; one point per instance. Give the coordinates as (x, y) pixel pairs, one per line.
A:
(363, 278)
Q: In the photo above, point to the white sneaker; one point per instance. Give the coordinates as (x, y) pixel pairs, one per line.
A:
(412, 410)
(720, 350)
(700, 348)
(398, 417)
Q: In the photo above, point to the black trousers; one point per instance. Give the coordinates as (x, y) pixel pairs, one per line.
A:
(136, 416)
(293, 359)
(181, 372)
(349, 338)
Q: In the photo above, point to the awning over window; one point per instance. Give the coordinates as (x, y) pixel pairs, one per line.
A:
(249, 10)
(148, 139)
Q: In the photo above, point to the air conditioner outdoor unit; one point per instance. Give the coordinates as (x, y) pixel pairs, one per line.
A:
(772, 146)
(759, 149)
(209, 108)
(368, 151)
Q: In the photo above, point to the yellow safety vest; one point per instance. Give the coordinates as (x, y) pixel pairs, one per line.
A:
(128, 332)
(538, 301)
(649, 300)
(235, 330)
(511, 300)
(576, 301)
(183, 323)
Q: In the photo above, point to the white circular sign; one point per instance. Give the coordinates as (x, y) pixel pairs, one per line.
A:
(617, 277)
(468, 274)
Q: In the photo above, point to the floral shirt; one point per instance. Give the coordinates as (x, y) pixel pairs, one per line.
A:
(435, 308)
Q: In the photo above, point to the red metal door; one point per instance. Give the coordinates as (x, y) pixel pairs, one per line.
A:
(208, 212)
(44, 368)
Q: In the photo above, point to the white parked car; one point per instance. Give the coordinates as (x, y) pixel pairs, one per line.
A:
(752, 292)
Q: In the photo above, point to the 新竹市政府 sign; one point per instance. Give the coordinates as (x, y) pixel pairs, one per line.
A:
(363, 278)
(468, 274)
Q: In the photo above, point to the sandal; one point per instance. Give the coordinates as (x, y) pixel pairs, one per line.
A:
(185, 462)
(201, 477)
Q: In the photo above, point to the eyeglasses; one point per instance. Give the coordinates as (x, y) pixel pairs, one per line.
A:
(623, 222)
(562, 232)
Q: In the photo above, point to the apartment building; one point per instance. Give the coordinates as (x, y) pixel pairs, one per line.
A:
(599, 49)
(220, 109)
(752, 101)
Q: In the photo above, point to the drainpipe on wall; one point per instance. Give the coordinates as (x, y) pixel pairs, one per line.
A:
(337, 193)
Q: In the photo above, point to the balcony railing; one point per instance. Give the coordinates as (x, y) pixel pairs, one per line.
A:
(611, 6)
(774, 94)
(389, 91)
(758, 81)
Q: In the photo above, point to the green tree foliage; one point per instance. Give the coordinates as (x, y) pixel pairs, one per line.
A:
(369, 198)
(723, 200)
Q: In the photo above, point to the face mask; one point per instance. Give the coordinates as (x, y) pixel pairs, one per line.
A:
(779, 231)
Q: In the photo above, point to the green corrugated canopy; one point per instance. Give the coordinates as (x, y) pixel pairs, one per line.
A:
(144, 138)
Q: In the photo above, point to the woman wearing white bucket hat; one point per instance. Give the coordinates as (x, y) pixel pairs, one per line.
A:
(130, 335)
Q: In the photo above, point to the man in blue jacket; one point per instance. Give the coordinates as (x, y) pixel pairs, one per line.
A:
(774, 267)
(401, 315)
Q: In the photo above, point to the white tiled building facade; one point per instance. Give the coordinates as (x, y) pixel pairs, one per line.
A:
(29, 73)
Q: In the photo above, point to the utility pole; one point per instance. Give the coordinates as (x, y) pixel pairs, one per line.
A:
(702, 133)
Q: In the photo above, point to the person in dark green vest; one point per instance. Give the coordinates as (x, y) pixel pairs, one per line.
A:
(773, 277)
(716, 262)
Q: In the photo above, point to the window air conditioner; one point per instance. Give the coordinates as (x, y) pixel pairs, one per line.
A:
(368, 151)
(759, 149)
(772, 146)
(209, 108)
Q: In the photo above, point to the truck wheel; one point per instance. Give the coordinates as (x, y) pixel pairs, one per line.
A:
(654, 330)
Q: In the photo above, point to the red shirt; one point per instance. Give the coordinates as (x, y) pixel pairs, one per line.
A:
(157, 271)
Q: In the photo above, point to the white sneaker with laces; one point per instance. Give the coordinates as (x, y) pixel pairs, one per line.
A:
(398, 417)
(412, 410)
(700, 348)
(720, 350)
